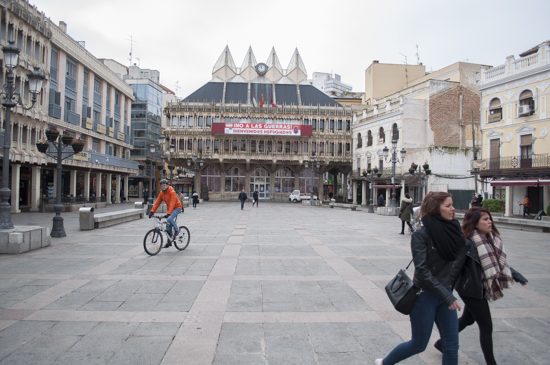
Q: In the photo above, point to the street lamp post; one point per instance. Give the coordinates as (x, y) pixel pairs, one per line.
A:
(195, 163)
(394, 160)
(371, 173)
(11, 98)
(422, 172)
(315, 164)
(60, 147)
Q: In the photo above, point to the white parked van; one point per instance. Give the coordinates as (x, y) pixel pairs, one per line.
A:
(296, 196)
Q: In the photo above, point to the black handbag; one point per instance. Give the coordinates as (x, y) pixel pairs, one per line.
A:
(402, 292)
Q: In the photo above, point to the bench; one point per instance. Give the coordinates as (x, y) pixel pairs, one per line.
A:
(107, 219)
(344, 205)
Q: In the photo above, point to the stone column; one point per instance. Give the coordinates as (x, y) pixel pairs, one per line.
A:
(117, 188)
(108, 188)
(15, 178)
(86, 185)
(126, 181)
(354, 191)
(509, 202)
(98, 186)
(35, 189)
(73, 183)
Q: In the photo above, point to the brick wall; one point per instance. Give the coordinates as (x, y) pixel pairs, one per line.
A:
(444, 111)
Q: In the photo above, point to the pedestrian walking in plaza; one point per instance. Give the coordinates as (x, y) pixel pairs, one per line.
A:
(242, 198)
(195, 198)
(437, 249)
(526, 205)
(405, 213)
(255, 198)
(484, 276)
(475, 201)
(381, 200)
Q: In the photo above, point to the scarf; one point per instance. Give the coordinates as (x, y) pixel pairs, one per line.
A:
(496, 272)
(446, 236)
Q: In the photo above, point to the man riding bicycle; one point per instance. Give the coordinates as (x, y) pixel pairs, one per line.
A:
(173, 207)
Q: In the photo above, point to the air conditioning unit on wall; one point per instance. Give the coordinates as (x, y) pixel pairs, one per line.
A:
(524, 110)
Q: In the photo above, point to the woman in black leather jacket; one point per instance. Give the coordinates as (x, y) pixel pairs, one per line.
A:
(485, 273)
(438, 250)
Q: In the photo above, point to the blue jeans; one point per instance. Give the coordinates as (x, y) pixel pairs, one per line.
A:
(429, 309)
(172, 220)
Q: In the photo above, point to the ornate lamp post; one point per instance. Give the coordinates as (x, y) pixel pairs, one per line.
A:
(394, 160)
(371, 174)
(59, 147)
(195, 163)
(422, 172)
(11, 98)
(315, 165)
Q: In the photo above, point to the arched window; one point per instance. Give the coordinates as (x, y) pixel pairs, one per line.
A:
(234, 180)
(369, 138)
(284, 180)
(359, 140)
(394, 132)
(210, 177)
(495, 111)
(526, 103)
(381, 135)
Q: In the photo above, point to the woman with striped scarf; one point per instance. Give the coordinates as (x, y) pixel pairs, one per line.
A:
(484, 276)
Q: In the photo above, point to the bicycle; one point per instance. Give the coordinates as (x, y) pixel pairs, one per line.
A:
(154, 238)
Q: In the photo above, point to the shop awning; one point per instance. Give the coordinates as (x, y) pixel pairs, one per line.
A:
(524, 182)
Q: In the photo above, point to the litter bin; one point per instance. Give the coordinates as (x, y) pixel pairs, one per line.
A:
(332, 203)
(138, 205)
(86, 215)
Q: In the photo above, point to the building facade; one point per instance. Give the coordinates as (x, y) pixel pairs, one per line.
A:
(433, 121)
(81, 97)
(260, 127)
(147, 117)
(515, 120)
(330, 84)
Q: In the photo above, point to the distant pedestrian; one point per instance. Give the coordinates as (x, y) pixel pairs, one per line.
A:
(255, 198)
(195, 198)
(381, 200)
(242, 198)
(479, 200)
(526, 206)
(474, 202)
(405, 213)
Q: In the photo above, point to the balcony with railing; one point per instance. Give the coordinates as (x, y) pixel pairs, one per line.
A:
(514, 165)
(516, 66)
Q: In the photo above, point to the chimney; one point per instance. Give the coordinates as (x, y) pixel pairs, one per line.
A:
(63, 26)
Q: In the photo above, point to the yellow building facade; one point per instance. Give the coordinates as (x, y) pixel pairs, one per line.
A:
(515, 120)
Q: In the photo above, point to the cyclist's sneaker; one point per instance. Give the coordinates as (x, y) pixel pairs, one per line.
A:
(168, 244)
(176, 234)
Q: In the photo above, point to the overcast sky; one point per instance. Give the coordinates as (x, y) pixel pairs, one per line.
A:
(183, 39)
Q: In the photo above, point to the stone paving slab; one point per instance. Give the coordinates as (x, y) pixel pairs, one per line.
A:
(281, 284)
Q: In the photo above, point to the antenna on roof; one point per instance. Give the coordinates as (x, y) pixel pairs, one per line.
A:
(406, 70)
(417, 56)
(131, 50)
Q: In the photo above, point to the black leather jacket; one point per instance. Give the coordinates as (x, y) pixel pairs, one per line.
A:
(431, 272)
(469, 283)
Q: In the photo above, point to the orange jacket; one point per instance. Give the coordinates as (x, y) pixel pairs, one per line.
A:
(171, 199)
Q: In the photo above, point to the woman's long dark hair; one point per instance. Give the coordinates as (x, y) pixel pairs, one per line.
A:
(432, 202)
(471, 219)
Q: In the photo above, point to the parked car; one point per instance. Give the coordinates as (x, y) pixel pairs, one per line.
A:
(296, 196)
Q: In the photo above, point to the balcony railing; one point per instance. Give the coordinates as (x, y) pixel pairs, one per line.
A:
(516, 162)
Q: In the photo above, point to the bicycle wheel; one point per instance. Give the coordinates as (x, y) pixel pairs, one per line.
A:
(182, 240)
(152, 242)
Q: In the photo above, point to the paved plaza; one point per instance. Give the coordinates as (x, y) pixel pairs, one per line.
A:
(279, 284)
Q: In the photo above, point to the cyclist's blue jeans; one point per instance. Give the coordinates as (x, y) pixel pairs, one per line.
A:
(427, 310)
(172, 220)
